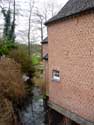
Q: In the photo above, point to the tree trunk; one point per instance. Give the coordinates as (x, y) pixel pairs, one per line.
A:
(29, 32)
(12, 32)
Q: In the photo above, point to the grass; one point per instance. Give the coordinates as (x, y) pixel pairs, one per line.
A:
(36, 59)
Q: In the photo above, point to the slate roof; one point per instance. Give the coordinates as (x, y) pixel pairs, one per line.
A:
(72, 7)
(45, 57)
(45, 40)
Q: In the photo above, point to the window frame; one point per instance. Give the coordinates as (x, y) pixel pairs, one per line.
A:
(56, 75)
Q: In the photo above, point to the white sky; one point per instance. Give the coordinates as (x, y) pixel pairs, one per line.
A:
(23, 14)
(22, 21)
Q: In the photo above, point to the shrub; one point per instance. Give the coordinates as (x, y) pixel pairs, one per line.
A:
(21, 56)
(6, 47)
(12, 89)
(36, 59)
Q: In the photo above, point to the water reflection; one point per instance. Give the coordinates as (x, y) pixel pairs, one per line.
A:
(34, 114)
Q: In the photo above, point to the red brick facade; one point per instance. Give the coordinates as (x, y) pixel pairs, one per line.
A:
(44, 52)
(71, 51)
(45, 48)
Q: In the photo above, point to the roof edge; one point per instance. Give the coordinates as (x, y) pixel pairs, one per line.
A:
(66, 17)
(45, 41)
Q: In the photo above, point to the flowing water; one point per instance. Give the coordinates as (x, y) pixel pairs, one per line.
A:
(34, 113)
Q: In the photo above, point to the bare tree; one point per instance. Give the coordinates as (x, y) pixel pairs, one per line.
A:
(12, 32)
(29, 26)
(9, 23)
(7, 18)
(42, 15)
(39, 19)
(39, 15)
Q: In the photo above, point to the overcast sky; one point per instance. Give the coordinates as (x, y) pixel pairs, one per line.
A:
(22, 17)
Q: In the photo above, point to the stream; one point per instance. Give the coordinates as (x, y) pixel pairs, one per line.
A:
(34, 113)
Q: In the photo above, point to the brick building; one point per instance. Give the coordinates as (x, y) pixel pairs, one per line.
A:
(45, 61)
(71, 61)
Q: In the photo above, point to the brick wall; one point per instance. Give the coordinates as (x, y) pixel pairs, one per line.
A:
(45, 51)
(44, 48)
(71, 51)
(46, 78)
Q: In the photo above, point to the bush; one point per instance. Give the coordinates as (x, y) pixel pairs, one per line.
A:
(36, 59)
(12, 90)
(6, 47)
(11, 83)
(21, 56)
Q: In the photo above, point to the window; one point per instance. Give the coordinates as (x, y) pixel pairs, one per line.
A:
(56, 75)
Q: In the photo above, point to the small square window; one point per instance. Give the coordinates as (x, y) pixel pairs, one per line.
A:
(56, 75)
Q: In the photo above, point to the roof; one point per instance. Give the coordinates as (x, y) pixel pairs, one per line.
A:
(45, 40)
(72, 7)
(45, 57)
